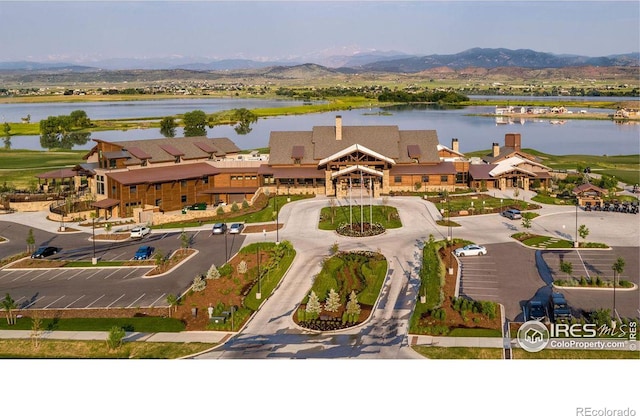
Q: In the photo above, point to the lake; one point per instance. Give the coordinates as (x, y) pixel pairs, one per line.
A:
(595, 137)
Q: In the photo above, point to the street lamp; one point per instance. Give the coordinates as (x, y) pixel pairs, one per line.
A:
(500, 206)
(226, 250)
(275, 204)
(575, 242)
(450, 235)
(94, 260)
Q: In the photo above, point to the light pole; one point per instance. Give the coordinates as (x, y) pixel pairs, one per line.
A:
(275, 205)
(226, 250)
(94, 260)
(500, 206)
(575, 242)
(450, 235)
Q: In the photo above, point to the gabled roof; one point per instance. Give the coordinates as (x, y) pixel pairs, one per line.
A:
(354, 168)
(355, 148)
(166, 150)
(508, 151)
(585, 187)
(163, 174)
(320, 143)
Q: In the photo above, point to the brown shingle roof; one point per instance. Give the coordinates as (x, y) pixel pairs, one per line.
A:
(58, 174)
(320, 143)
(164, 174)
(190, 147)
(481, 171)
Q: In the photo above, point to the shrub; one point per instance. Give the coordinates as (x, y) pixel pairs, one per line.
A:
(245, 203)
(242, 267)
(234, 207)
(116, 335)
(225, 270)
(213, 272)
(198, 284)
(220, 211)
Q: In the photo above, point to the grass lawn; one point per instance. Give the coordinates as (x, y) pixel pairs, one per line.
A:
(143, 324)
(98, 349)
(475, 332)
(547, 354)
(385, 215)
(491, 204)
(350, 271)
(459, 353)
(19, 167)
(264, 215)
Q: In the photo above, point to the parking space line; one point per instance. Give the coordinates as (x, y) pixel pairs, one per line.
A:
(74, 302)
(19, 277)
(89, 305)
(160, 297)
(74, 275)
(118, 256)
(54, 302)
(59, 274)
(109, 305)
(112, 273)
(132, 271)
(164, 236)
(34, 302)
(136, 300)
(93, 274)
(41, 274)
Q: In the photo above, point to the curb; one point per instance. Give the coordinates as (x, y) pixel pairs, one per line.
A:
(624, 289)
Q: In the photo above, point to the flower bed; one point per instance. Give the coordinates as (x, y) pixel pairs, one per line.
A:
(360, 229)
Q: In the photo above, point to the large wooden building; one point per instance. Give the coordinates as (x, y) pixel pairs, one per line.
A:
(169, 174)
(332, 160)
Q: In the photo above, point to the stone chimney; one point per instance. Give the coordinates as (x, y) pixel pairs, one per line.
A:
(455, 146)
(513, 140)
(496, 149)
(338, 127)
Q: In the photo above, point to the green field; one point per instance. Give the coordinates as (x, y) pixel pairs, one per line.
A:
(18, 168)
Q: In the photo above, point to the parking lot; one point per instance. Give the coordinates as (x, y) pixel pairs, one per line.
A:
(512, 275)
(110, 287)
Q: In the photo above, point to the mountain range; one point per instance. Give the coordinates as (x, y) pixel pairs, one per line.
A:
(376, 61)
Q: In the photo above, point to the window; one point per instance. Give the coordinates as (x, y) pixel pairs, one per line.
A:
(112, 163)
(397, 179)
(183, 183)
(158, 187)
(461, 177)
(133, 189)
(183, 199)
(205, 180)
(100, 184)
(177, 159)
(444, 179)
(425, 179)
(296, 161)
(158, 202)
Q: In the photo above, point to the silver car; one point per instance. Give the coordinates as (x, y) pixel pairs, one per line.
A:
(236, 228)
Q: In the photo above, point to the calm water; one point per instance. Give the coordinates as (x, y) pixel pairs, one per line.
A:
(474, 133)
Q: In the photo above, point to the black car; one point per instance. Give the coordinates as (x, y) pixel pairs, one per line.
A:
(199, 206)
(536, 311)
(43, 252)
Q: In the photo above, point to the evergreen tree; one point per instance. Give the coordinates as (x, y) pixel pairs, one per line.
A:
(353, 307)
(313, 305)
(332, 303)
(213, 272)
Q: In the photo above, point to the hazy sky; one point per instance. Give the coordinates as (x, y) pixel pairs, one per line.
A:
(89, 30)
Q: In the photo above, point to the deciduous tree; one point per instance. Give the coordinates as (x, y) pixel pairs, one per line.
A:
(168, 126)
(195, 123)
(8, 304)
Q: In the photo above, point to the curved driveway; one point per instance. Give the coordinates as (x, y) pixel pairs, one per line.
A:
(272, 333)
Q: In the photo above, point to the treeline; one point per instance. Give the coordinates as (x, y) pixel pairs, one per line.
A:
(422, 97)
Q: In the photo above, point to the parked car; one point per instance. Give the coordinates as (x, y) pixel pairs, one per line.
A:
(236, 228)
(535, 311)
(219, 228)
(44, 251)
(143, 253)
(512, 214)
(139, 232)
(470, 250)
(558, 307)
(198, 206)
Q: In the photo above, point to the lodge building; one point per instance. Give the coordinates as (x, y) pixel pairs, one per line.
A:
(168, 174)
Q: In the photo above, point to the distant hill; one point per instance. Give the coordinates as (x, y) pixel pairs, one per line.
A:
(497, 58)
(43, 67)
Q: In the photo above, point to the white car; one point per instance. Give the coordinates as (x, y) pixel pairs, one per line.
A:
(139, 232)
(470, 250)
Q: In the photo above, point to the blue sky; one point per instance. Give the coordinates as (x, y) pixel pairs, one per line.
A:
(82, 31)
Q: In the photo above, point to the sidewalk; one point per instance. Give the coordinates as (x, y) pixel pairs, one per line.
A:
(479, 342)
(185, 336)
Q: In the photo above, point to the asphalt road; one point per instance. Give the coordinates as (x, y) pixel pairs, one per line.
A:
(106, 287)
